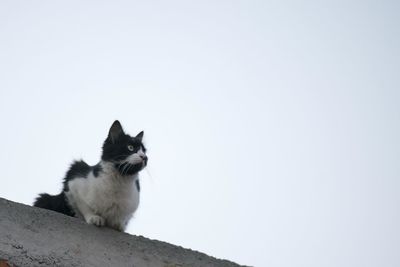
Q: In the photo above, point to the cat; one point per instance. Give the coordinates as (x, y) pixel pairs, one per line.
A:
(106, 194)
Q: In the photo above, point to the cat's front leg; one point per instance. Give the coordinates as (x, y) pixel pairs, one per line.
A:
(89, 216)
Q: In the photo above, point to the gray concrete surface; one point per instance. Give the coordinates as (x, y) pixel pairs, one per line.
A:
(36, 237)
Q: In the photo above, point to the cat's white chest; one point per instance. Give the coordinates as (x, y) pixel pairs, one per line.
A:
(112, 197)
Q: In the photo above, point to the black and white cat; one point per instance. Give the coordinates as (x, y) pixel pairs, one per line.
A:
(106, 194)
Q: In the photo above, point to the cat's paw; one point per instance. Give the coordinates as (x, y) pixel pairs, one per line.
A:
(95, 220)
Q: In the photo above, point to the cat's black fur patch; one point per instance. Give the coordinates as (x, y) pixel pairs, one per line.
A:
(56, 203)
(77, 169)
(97, 169)
(137, 185)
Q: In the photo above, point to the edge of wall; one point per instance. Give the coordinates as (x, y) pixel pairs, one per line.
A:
(32, 236)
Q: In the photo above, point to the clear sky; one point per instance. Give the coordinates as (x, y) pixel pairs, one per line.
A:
(272, 127)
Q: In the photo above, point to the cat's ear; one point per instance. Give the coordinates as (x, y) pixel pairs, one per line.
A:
(115, 131)
(140, 136)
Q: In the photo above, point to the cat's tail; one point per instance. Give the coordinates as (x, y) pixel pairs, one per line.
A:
(57, 203)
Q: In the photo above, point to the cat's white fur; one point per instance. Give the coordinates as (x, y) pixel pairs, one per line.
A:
(108, 199)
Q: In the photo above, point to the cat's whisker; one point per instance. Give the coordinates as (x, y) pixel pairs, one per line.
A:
(129, 167)
(123, 169)
(149, 174)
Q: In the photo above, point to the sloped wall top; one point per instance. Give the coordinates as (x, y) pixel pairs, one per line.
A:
(35, 237)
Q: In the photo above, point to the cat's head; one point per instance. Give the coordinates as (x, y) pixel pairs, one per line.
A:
(127, 153)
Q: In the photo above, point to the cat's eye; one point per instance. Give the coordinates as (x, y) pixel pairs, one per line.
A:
(130, 148)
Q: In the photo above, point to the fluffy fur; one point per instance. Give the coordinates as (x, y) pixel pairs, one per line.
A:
(106, 194)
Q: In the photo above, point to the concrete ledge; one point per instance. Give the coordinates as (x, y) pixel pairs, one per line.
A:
(35, 237)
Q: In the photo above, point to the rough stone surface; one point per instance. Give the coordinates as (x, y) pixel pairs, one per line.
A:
(36, 237)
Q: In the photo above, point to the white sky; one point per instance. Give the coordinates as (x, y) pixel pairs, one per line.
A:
(272, 126)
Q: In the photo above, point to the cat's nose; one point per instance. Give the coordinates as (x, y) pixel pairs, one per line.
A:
(143, 157)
